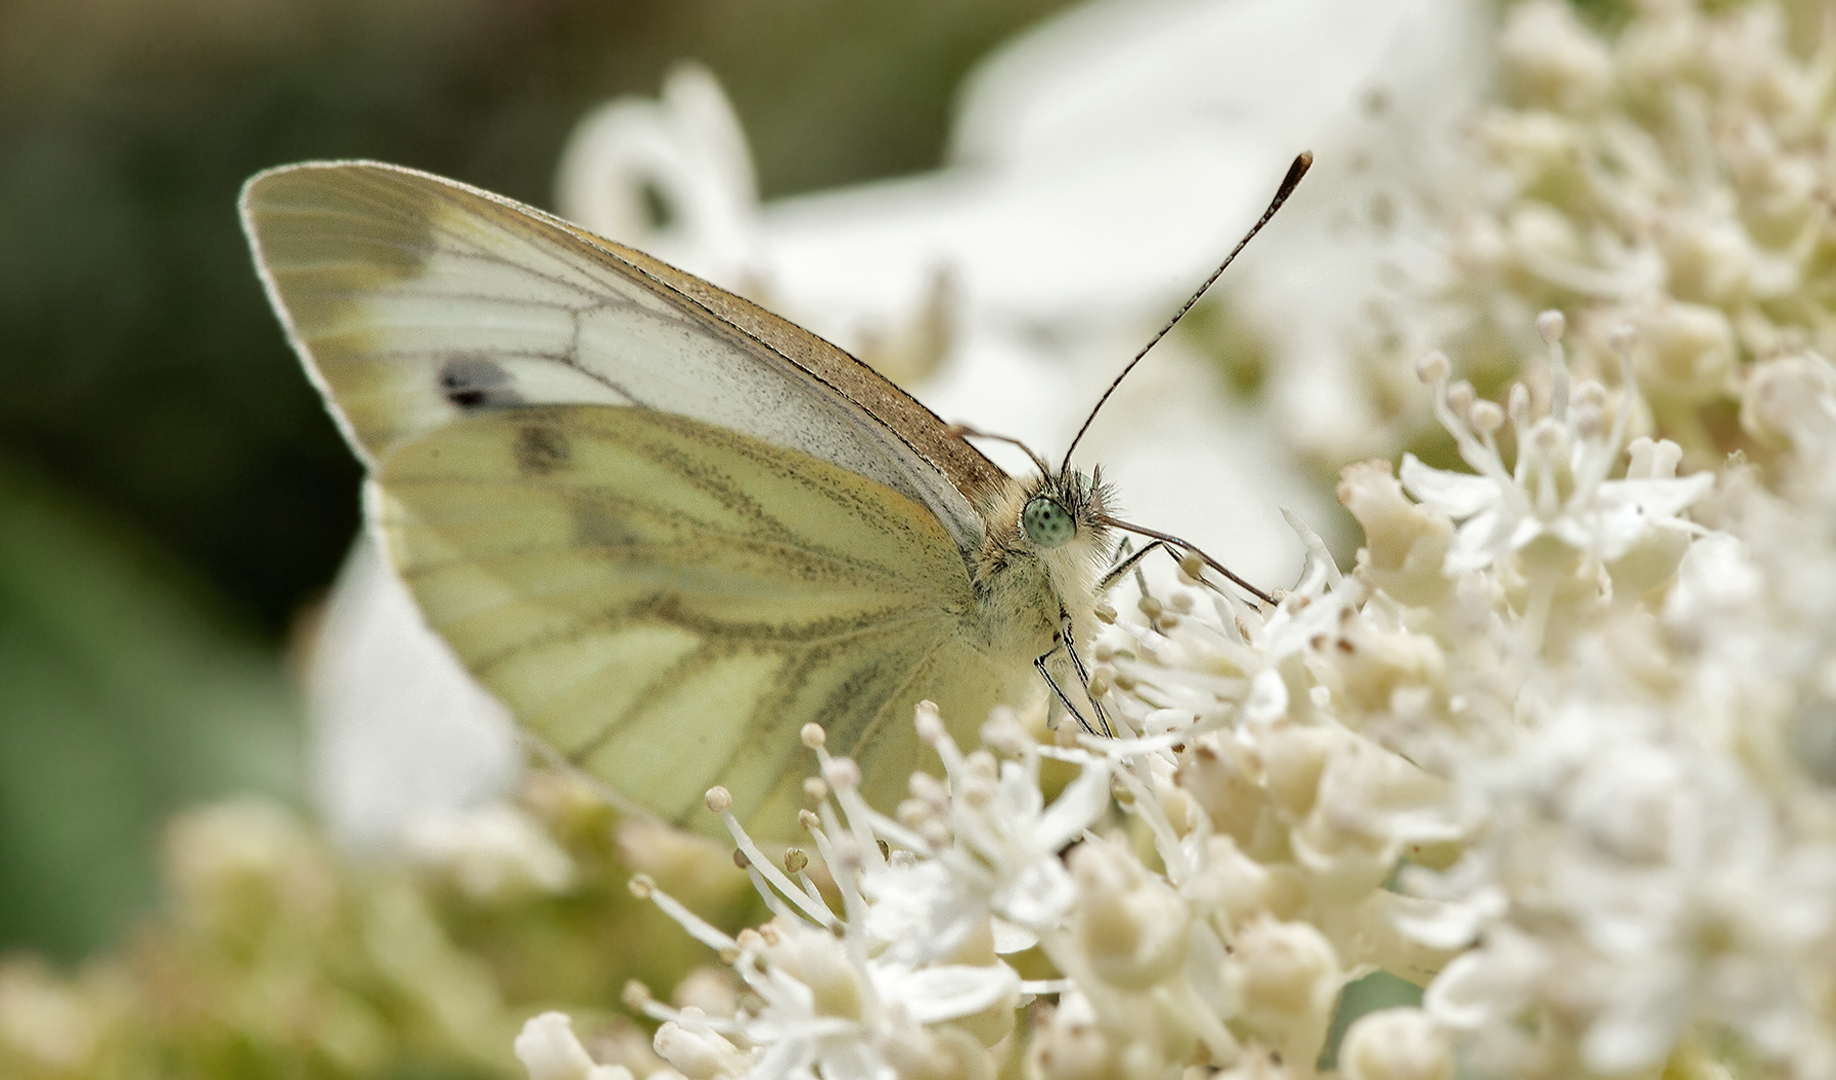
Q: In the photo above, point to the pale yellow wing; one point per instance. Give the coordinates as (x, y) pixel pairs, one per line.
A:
(667, 601)
(665, 526)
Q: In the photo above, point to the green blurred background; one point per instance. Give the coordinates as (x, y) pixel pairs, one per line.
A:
(172, 497)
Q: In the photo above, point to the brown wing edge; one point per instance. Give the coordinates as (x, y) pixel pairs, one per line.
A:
(966, 468)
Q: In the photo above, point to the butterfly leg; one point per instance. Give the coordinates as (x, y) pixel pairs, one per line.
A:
(1083, 676)
(1045, 673)
(1063, 642)
(1064, 698)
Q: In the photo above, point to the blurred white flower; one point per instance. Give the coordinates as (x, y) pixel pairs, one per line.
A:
(491, 851)
(671, 177)
(400, 731)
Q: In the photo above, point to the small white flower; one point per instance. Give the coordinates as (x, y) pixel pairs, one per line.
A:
(1001, 861)
(842, 996)
(1559, 486)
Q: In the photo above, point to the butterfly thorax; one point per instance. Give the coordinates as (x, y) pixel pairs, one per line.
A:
(1045, 549)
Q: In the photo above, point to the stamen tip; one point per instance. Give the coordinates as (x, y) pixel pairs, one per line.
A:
(930, 722)
(1550, 325)
(636, 996)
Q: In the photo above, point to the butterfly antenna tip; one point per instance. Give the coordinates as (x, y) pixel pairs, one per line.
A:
(1302, 162)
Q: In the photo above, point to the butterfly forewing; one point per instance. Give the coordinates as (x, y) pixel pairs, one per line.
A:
(417, 299)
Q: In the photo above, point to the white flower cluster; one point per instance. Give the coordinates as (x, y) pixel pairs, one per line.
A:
(1157, 962)
(1668, 176)
(1647, 877)
(1555, 750)
(1662, 164)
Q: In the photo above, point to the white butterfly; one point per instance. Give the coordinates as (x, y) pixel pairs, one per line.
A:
(665, 526)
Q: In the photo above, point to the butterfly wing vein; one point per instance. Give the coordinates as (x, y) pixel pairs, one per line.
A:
(664, 601)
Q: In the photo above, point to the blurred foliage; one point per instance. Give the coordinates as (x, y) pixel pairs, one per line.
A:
(124, 697)
(276, 958)
(146, 375)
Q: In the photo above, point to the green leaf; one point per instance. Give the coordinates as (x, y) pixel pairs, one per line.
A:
(122, 697)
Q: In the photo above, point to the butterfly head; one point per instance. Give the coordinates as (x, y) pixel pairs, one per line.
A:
(1064, 517)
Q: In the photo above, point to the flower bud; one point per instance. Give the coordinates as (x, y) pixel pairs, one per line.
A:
(1685, 349)
(1551, 61)
(549, 1050)
(1288, 978)
(1396, 1044)
(1068, 1045)
(1130, 925)
(1783, 397)
(1294, 758)
(698, 1055)
(1405, 543)
(1220, 781)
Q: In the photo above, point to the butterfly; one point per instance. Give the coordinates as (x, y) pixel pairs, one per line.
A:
(664, 526)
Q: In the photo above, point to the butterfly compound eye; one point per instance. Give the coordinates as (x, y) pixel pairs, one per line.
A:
(1047, 524)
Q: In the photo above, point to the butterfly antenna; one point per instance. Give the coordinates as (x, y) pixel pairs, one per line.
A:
(964, 431)
(1302, 163)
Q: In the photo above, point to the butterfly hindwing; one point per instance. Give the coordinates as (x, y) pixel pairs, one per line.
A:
(666, 602)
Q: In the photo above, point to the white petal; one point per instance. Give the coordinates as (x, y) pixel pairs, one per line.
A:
(1038, 894)
(1454, 924)
(1010, 938)
(948, 991)
(1456, 494)
(1487, 537)
(1129, 73)
(1268, 698)
(1657, 498)
(1080, 804)
(399, 730)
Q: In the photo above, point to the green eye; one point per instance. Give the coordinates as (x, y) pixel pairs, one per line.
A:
(1047, 524)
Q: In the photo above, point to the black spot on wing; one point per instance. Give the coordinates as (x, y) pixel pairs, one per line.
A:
(541, 450)
(477, 382)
